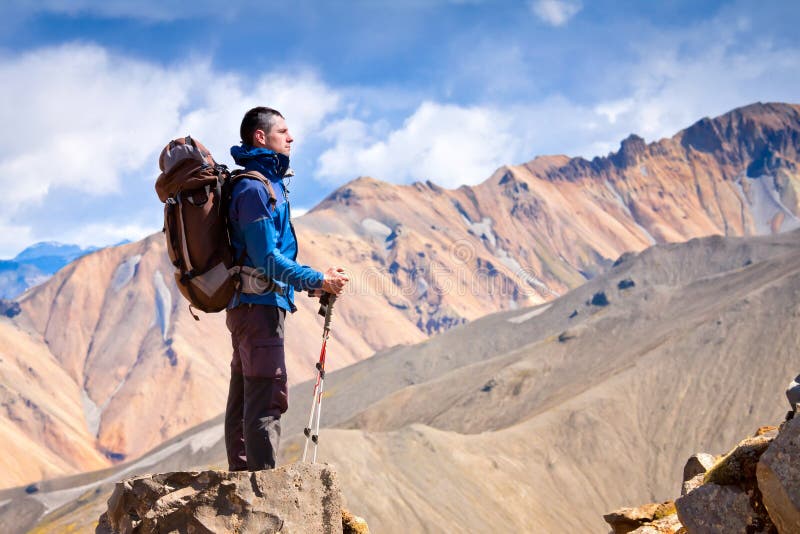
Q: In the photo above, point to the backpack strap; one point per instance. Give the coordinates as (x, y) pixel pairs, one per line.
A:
(250, 280)
(255, 175)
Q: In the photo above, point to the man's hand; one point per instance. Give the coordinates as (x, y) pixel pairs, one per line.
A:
(334, 280)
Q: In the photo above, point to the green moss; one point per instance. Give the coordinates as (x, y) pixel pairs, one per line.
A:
(739, 465)
(665, 510)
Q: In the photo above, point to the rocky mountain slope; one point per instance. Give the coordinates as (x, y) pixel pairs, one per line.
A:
(423, 259)
(540, 419)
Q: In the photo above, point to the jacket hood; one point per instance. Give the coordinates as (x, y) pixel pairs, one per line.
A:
(262, 159)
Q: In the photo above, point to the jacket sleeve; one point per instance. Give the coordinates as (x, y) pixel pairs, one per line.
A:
(261, 243)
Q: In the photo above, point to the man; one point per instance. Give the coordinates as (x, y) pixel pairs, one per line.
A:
(262, 234)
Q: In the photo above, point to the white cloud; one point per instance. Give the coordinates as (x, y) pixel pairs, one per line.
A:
(555, 12)
(668, 90)
(79, 118)
(448, 144)
(104, 234)
(301, 98)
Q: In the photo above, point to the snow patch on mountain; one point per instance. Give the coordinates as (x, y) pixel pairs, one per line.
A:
(125, 272)
(519, 319)
(762, 197)
(91, 412)
(507, 260)
(482, 229)
(376, 228)
(163, 303)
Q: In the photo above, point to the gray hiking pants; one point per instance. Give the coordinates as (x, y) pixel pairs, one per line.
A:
(258, 392)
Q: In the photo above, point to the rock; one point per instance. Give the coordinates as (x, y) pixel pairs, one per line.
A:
(693, 483)
(9, 308)
(626, 284)
(778, 474)
(599, 299)
(738, 467)
(352, 524)
(793, 393)
(565, 336)
(293, 498)
(769, 431)
(697, 464)
(627, 520)
(667, 525)
(715, 509)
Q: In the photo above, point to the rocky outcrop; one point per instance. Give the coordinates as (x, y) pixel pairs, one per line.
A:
(293, 498)
(753, 488)
(694, 471)
(778, 474)
(627, 520)
(712, 508)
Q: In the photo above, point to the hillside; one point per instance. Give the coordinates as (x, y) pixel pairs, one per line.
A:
(540, 419)
(423, 260)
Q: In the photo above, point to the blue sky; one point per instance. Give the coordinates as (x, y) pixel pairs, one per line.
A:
(446, 90)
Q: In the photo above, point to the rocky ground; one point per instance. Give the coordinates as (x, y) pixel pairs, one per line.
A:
(753, 488)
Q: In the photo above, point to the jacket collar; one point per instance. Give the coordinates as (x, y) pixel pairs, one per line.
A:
(271, 164)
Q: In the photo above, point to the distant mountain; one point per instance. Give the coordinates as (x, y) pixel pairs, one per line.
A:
(36, 264)
(533, 420)
(423, 259)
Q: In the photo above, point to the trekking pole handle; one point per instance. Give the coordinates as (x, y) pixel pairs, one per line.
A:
(329, 311)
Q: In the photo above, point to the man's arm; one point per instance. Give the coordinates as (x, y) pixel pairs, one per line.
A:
(261, 243)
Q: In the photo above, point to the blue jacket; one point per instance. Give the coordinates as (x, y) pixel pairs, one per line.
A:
(266, 232)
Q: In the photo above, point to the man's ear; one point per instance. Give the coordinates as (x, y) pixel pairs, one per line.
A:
(259, 137)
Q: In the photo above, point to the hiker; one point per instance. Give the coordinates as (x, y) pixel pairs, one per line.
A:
(262, 234)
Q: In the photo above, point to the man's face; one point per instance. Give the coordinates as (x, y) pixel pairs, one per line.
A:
(278, 139)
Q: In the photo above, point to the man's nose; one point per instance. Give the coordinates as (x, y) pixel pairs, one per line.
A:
(289, 138)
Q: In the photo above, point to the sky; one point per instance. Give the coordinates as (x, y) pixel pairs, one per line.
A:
(404, 91)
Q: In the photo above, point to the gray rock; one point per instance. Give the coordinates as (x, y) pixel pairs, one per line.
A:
(694, 471)
(292, 498)
(714, 509)
(697, 464)
(778, 474)
(738, 467)
(693, 483)
(793, 393)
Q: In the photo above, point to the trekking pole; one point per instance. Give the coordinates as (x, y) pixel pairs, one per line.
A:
(326, 309)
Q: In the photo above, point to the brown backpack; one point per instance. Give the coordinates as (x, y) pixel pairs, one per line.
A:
(195, 190)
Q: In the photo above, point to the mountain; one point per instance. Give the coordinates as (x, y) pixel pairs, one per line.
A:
(36, 264)
(533, 231)
(540, 419)
(423, 260)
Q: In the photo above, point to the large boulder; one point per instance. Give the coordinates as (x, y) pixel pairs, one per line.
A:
(778, 473)
(714, 509)
(293, 498)
(739, 465)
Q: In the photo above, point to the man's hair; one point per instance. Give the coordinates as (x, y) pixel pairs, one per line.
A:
(260, 118)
